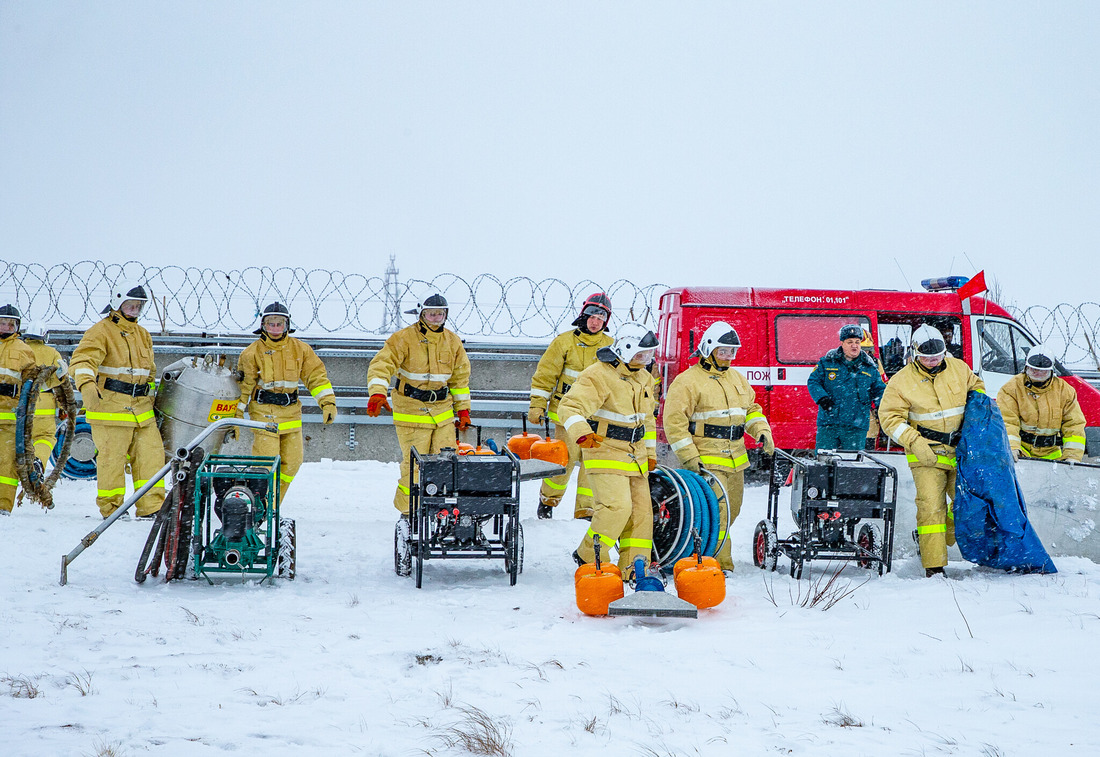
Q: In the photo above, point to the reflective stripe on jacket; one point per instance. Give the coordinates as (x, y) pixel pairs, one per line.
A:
(705, 395)
(913, 397)
(612, 393)
(1050, 410)
(279, 366)
(426, 360)
(16, 365)
(568, 354)
(118, 349)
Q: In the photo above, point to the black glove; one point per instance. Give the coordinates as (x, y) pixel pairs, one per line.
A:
(826, 403)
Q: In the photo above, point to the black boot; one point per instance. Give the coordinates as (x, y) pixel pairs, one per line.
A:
(929, 572)
(577, 558)
(545, 512)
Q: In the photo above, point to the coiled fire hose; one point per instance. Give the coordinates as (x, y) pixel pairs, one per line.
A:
(36, 485)
(684, 502)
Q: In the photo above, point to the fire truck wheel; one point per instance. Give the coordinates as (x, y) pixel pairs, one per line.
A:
(765, 546)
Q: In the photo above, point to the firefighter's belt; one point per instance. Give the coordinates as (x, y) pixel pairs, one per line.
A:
(1050, 440)
(622, 433)
(710, 431)
(425, 395)
(9, 390)
(124, 387)
(286, 399)
(951, 440)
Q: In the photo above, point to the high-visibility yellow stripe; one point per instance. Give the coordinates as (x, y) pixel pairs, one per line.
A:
(7, 416)
(554, 417)
(9, 481)
(285, 478)
(434, 419)
(461, 392)
(322, 388)
(157, 485)
(1055, 455)
(724, 461)
(636, 543)
(937, 528)
(753, 417)
(46, 441)
(290, 425)
(111, 492)
(650, 435)
(552, 485)
(47, 411)
(584, 491)
(403, 489)
(607, 542)
(940, 459)
(123, 417)
(610, 465)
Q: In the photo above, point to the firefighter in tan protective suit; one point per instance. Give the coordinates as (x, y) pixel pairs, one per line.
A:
(271, 369)
(433, 387)
(16, 366)
(569, 354)
(708, 410)
(113, 369)
(922, 410)
(1041, 412)
(608, 413)
(45, 411)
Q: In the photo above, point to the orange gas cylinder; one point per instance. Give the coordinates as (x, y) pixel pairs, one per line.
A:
(520, 444)
(702, 584)
(550, 449)
(688, 562)
(597, 585)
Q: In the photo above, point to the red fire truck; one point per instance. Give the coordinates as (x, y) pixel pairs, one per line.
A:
(784, 332)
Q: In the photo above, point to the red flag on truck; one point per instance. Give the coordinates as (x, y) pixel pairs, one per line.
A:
(975, 286)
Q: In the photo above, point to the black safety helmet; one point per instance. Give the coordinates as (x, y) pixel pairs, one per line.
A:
(123, 291)
(597, 303)
(11, 311)
(275, 308)
(432, 301)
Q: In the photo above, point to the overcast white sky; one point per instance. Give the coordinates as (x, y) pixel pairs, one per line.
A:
(840, 145)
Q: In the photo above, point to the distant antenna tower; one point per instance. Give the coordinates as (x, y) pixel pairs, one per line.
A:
(391, 314)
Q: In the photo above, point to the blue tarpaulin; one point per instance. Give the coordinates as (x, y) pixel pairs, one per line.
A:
(991, 525)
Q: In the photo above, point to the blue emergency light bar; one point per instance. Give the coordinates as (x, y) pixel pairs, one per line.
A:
(944, 283)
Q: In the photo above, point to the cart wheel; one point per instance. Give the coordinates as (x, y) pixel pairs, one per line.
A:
(796, 568)
(765, 546)
(402, 554)
(870, 540)
(286, 561)
(513, 533)
(421, 552)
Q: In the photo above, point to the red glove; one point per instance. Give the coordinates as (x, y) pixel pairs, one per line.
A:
(463, 421)
(652, 463)
(376, 403)
(590, 441)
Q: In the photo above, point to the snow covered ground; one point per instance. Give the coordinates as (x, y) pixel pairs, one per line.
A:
(350, 659)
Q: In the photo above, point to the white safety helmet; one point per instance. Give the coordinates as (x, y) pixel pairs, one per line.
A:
(928, 342)
(631, 339)
(124, 290)
(433, 301)
(1040, 358)
(36, 329)
(718, 334)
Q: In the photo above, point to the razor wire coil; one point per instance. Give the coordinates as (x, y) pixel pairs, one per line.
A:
(320, 300)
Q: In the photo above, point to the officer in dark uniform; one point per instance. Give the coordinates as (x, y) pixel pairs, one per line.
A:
(845, 385)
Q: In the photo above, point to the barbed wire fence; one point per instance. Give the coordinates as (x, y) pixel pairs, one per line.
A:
(1071, 328)
(192, 299)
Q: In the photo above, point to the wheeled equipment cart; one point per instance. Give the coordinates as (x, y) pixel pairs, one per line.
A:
(832, 495)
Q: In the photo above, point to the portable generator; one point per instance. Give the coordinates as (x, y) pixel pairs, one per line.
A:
(831, 495)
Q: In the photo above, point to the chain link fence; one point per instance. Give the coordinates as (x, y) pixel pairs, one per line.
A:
(320, 301)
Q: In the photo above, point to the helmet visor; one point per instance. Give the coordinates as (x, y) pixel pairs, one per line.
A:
(591, 310)
(930, 348)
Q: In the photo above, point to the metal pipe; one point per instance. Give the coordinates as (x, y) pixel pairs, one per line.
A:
(94, 534)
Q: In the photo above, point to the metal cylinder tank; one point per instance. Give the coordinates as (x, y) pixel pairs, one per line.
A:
(193, 393)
